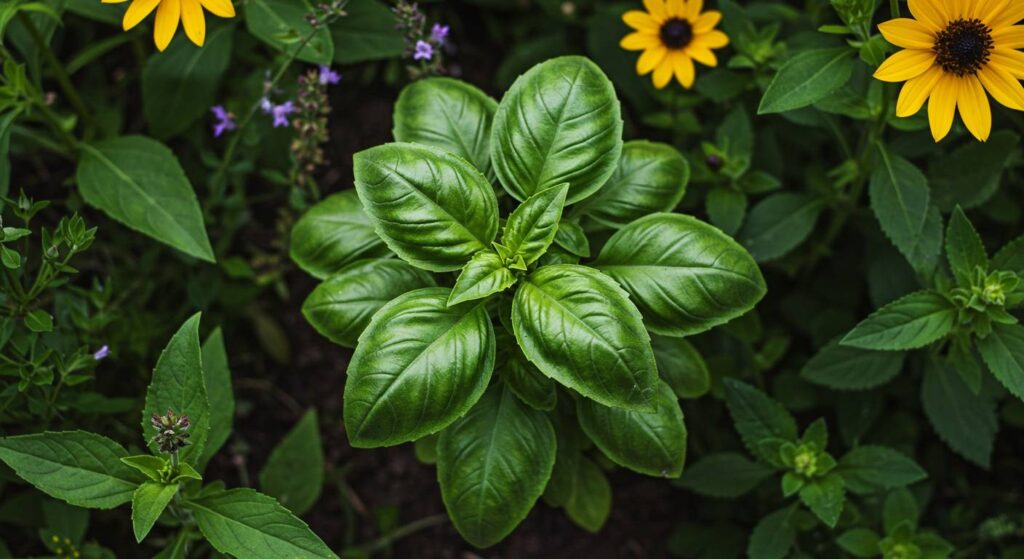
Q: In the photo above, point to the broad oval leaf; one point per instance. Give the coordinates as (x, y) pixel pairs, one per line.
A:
(908, 323)
(560, 122)
(419, 366)
(648, 443)
(579, 328)
(367, 32)
(333, 234)
(806, 78)
(282, 24)
(571, 237)
(870, 468)
(681, 366)
(651, 177)
(533, 225)
(493, 465)
(484, 275)
(777, 224)
(138, 182)
(341, 307)
(527, 382)
(684, 275)
(432, 208)
(448, 114)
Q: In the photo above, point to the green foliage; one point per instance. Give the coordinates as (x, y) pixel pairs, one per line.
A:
(294, 472)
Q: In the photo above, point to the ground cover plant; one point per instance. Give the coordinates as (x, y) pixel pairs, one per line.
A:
(489, 278)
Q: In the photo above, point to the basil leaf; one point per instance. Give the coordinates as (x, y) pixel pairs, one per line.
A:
(908, 323)
(684, 275)
(681, 366)
(528, 383)
(448, 114)
(590, 502)
(560, 122)
(333, 234)
(579, 328)
(571, 237)
(484, 275)
(419, 366)
(650, 177)
(493, 465)
(341, 307)
(649, 443)
(432, 208)
(532, 226)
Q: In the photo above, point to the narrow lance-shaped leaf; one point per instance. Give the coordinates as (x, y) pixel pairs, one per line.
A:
(217, 375)
(757, 417)
(484, 275)
(1003, 352)
(849, 368)
(964, 248)
(532, 226)
(967, 422)
(294, 472)
(901, 201)
(908, 323)
(148, 503)
(806, 78)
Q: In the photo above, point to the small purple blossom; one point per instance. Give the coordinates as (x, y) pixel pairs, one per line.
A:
(101, 353)
(266, 105)
(439, 33)
(328, 76)
(424, 51)
(281, 113)
(225, 122)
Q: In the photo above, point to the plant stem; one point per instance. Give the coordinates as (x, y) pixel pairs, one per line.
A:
(402, 531)
(894, 8)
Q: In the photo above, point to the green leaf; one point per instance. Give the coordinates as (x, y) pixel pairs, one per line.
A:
(1003, 352)
(532, 226)
(333, 234)
(913, 321)
(684, 275)
(294, 473)
(39, 321)
(590, 502)
(757, 417)
(850, 368)
(681, 366)
(282, 24)
(859, 542)
(560, 122)
(432, 208)
(448, 114)
(139, 183)
(964, 248)
(246, 523)
(180, 84)
(572, 238)
(528, 383)
(901, 201)
(779, 223)
(727, 208)
(152, 466)
(900, 508)
(806, 78)
(419, 366)
(148, 503)
(649, 443)
(1011, 257)
(81, 468)
(178, 385)
(579, 328)
(970, 175)
(773, 536)
(367, 32)
(726, 475)
(217, 375)
(868, 469)
(341, 307)
(966, 421)
(493, 465)
(825, 497)
(650, 178)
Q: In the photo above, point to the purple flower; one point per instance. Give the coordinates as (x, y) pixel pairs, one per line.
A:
(424, 51)
(281, 113)
(101, 353)
(328, 76)
(266, 105)
(439, 33)
(225, 122)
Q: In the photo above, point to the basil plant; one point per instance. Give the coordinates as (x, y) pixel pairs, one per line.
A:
(536, 257)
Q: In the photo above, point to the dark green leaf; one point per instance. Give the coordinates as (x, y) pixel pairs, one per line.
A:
(532, 226)
(825, 497)
(725, 475)
(590, 502)
(807, 77)
(900, 199)
(868, 469)
(681, 366)
(970, 175)
(282, 24)
(966, 421)
(908, 323)
(859, 542)
(777, 224)
(367, 32)
(756, 416)
(148, 503)
(773, 536)
(294, 472)
(333, 234)
(850, 368)
(1003, 352)
(528, 383)
(217, 375)
(964, 248)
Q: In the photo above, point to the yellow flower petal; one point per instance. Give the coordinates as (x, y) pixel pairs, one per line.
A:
(650, 59)
(167, 16)
(1002, 86)
(942, 106)
(712, 39)
(641, 21)
(693, 9)
(908, 33)
(639, 41)
(138, 12)
(702, 54)
(663, 73)
(657, 10)
(929, 12)
(193, 20)
(1009, 15)
(904, 65)
(974, 110)
(676, 8)
(683, 68)
(219, 8)
(1009, 37)
(916, 91)
(1010, 60)
(707, 21)
(985, 10)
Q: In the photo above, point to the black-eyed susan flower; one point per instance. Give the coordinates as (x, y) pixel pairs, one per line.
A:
(955, 51)
(672, 34)
(169, 12)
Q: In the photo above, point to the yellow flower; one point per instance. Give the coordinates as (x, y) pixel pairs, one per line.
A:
(955, 51)
(672, 34)
(168, 12)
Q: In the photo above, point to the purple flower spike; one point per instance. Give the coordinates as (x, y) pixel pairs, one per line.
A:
(266, 105)
(424, 51)
(439, 33)
(328, 76)
(101, 353)
(225, 122)
(281, 113)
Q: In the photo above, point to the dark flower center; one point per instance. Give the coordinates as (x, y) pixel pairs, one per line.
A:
(963, 47)
(676, 33)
